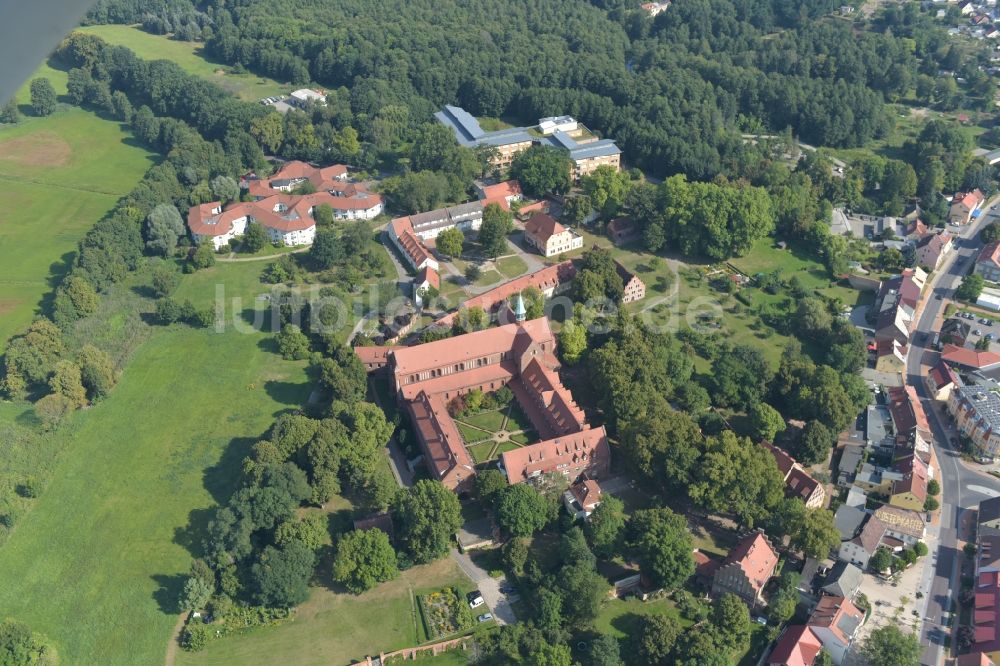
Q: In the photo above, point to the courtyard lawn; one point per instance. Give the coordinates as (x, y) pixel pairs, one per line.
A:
(332, 629)
(61, 174)
(620, 617)
(190, 57)
(109, 541)
(481, 452)
(472, 435)
(511, 266)
(489, 277)
(491, 420)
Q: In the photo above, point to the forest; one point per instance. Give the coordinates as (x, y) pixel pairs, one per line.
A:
(676, 91)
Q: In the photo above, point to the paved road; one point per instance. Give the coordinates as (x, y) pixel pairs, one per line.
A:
(962, 488)
(489, 587)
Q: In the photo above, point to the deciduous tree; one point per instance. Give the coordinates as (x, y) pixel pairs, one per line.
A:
(364, 558)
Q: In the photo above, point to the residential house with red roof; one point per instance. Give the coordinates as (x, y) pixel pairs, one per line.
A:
(634, 288)
(932, 249)
(549, 237)
(910, 492)
(287, 218)
(747, 569)
(503, 194)
(970, 359)
(986, 615)
(622, 230)
(836, 621)
(974, 659)
(988, 262)
(581, 498)
(965, 206)
(798, 645)
(798, 482)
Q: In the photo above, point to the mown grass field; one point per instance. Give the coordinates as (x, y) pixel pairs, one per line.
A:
(98, 563)
(61, 174)
(189, 56)
(332, 629)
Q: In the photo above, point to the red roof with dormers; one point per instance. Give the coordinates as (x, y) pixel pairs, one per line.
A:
(756, 557)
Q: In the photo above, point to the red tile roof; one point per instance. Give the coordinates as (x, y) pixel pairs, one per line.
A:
(543, 227)
(969, 358)
(942, 375)
(990, 254)
(547, 278)
(430, 276)
(465, 348)
(797, 646)
(987, 608)
(447, 457)
(830, 613)
(587, 493)
(756, 557)
(915, 479)
(588, 447)
(968, 199)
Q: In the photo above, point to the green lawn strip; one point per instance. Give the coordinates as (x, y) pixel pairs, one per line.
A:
(620, 617)
(507, 446)
(189, 55)
(61, 174)
(523, 438)
(481, 452)
(488, 278)
(108, 542)
(334, 628)
(511, 266)
(473, 435)
(491, 420)
(517, 419)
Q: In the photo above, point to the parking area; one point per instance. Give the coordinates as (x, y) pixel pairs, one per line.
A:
(894, 602)
(982, 327)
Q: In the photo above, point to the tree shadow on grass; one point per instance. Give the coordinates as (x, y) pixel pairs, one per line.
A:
(168, 592)
(268, 344)
(191, 535)
(628, 623)
(145, 291)
(220, 479)
(286, 393)
(57, 271)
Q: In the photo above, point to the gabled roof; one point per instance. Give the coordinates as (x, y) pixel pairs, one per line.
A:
(755, 557)
(871, 535)
(547, 278)
(838, 615)
(968, 199)
(464, 348)
(782, 458)
(522, 463)
(430, 276)
(587, 493)
(901, 520)
(543, 227)
(914, 480)
(990, 254)
(797, 646)
(969, 358)
(843, 580)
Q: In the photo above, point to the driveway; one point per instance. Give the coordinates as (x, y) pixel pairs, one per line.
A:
(489, 587)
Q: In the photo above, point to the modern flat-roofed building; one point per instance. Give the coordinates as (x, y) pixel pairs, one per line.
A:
(554, 132)
(977, 414)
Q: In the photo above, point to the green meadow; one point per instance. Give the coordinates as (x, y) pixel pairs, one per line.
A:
(189, 56)
(97, 564)
(61, 174)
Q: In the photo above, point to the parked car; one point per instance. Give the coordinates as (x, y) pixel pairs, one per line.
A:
(990, 336)
(475, 599)
(485, 617)
(978, 331)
